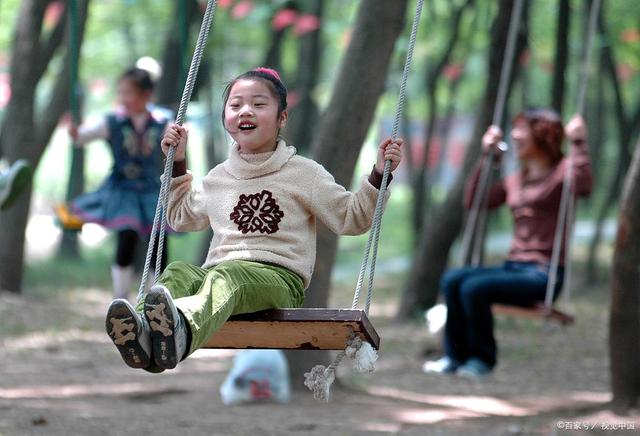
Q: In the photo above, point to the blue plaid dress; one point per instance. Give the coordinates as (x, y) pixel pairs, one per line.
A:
(127, 199)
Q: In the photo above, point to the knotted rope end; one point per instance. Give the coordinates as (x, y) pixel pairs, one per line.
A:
(363, 354)
(319, 381)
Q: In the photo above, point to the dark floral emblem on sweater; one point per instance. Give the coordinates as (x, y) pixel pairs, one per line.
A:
(257, 213)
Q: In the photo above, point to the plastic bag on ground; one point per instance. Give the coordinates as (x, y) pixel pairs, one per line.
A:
(257, 376)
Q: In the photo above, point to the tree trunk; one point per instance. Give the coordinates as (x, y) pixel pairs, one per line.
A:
(26, 129)
(597, 135)
(444, 225)
(627, 127)
(343, 129)
(561, 55)
(301, 125)
(273, 56)
(420, 191)
(175, 58)
(624, 318)
(69, 247)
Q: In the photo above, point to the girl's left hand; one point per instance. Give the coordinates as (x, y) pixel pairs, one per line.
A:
(389, 151)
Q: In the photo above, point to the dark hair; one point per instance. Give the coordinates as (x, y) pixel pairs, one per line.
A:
(140, 78)
(270, 77)
(546, 130)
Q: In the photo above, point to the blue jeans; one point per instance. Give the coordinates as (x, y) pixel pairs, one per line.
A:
(469, 294)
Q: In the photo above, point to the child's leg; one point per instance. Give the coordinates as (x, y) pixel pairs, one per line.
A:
(122, 269)
(181, 280)
(237, 287)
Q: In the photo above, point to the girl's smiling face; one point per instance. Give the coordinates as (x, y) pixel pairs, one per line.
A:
(133, 98)
(251, 116)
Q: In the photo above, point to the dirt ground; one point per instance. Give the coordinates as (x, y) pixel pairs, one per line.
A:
(61, 376)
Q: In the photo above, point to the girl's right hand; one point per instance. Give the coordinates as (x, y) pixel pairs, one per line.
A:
(491, 139)
(175, 135)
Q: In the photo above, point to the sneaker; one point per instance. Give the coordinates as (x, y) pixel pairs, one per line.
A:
(13, 182)
(475, 369)
(168, 329)
(444, 365)
(130, 333)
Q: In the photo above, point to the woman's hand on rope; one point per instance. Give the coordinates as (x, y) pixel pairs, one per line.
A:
(576, 129)
(490, 140)
(389, 150)
(175, 135)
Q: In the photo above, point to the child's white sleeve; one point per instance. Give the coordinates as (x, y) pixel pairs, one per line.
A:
(342, 211)
(187, 210)
(92, 129)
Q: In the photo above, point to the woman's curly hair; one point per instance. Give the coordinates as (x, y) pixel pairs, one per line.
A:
(546, 129)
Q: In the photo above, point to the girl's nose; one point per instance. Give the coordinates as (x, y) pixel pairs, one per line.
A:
(246, 110)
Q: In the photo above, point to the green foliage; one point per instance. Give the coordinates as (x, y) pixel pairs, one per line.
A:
(119, 32)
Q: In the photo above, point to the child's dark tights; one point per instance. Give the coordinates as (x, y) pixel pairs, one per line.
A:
(127, 241)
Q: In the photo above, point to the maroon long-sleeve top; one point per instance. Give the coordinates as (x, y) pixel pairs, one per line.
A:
(535, 203)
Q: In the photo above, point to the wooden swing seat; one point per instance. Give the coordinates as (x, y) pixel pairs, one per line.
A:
(534, 312)
(294, 329)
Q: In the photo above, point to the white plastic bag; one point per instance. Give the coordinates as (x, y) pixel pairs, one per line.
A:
(257, 375)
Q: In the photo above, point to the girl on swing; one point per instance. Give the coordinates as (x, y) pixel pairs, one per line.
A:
(533, 195)
(126, 201)
(262, 204)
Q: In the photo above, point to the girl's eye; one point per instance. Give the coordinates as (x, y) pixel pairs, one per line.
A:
(260, 104)
(234, 106)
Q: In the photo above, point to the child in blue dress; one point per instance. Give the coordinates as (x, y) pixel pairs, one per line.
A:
(126, 201)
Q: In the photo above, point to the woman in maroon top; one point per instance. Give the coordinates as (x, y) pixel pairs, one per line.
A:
(533, 194)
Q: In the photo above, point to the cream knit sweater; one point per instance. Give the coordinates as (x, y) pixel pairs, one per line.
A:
(263, 207)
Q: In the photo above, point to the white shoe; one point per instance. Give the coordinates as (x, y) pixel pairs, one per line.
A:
(444, 365)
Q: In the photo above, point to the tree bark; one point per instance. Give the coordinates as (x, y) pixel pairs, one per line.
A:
(273, 56)
(444, 225)
(624, 318)
(175, 58)
(69, 247)
(628, 127)
(301, 126)
(561, 55)
(27, 129)
(342, 130)
(420, 191)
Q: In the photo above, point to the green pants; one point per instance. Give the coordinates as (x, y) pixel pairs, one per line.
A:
(208, 297)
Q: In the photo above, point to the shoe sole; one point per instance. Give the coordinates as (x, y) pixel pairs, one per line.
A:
(18, 182)
(157, 309)
(128, 344)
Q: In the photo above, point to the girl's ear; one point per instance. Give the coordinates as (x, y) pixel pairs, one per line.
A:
(284, 116)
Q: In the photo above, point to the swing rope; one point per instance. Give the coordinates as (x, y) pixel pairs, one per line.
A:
(320, 378)
(477, 215)
(159, 219)
(566, 214)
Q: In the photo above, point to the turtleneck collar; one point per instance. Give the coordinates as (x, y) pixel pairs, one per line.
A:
(249, 166)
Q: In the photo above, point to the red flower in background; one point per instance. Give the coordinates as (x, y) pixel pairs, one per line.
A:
(284, 18)
(630, 35)
(5, 90)
(53, 13)
(306, 23)
(452, 72)
(624, 71)
(224, 4)
(242, 9)
(525, 57)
